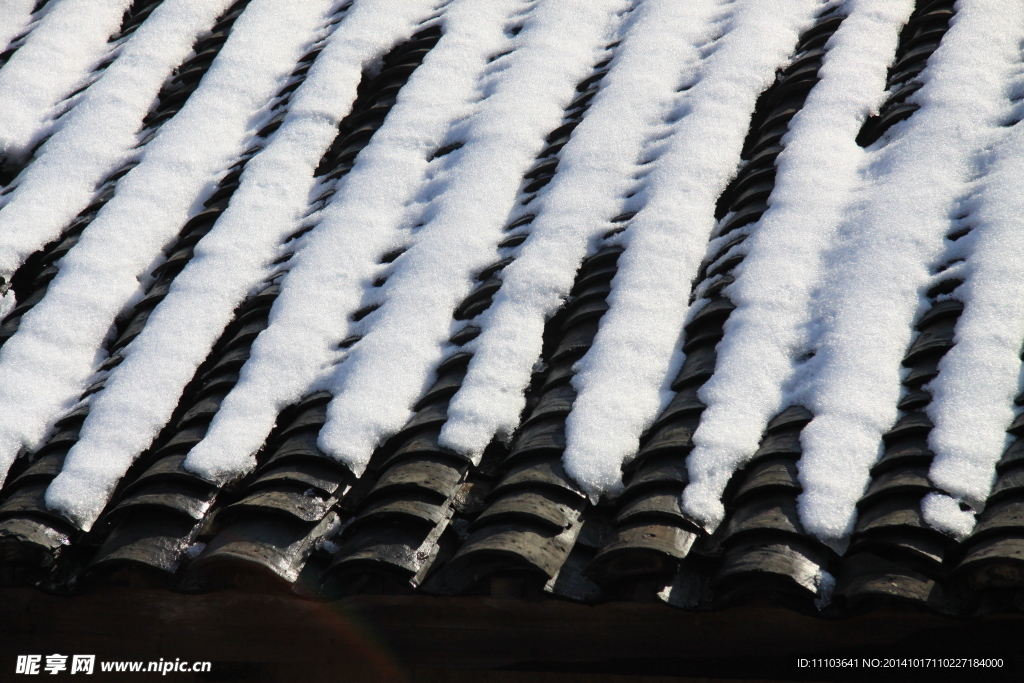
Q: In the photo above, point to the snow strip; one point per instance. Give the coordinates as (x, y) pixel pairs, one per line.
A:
(595, 170)
(15, 18)
(45, 366)
(623, 379)
(817, 172)
(948, 515)
(54, 60)
(100, 131)
(881, 264)
(331, 271)
(375, 389)
(141, 393)
(978, 378)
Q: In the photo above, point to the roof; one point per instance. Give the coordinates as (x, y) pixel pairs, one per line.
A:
(682, 302)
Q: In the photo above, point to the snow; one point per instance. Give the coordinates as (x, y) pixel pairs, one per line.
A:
(99, 132)
(341, 257)
(784, 263)
(7, 303)
(16, 19)
(376, 387)
(834, 275)
(946, 514)
(881, 262)
(142, 392)
(46, 365)
(622, 381)
(57, 56)
(367, 217)
(978, 378)
(660, 50)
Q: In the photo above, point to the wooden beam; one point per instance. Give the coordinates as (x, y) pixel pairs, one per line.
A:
(385, 637)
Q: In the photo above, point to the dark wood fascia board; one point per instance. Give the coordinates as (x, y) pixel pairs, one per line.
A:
(395, 634)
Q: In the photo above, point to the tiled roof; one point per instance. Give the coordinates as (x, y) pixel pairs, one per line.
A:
(424, 516)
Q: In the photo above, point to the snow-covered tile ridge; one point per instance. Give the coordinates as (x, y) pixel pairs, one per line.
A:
(55, 58)
(978, 378)
(227, 263)
(15, 20)
(622, 381)
(337, 70)
(376, 387)
(332, 270)
(100, 131)
(660, 49)
(881, 263)
(817, 172)
(45, 365)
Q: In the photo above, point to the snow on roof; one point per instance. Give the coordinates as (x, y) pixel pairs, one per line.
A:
(229, 262)
(783, 264)
(596, 285)
(68, 43)
(99, 130)
(623, 380)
